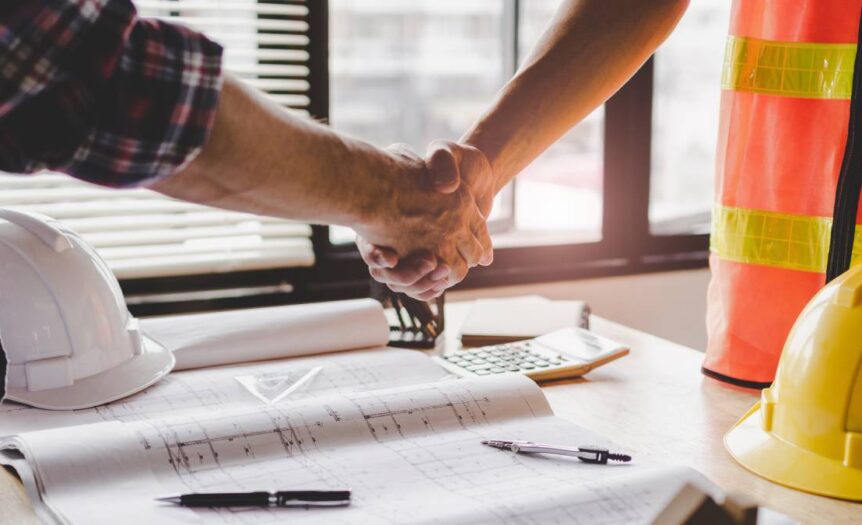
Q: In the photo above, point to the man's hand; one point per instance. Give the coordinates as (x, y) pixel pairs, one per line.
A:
(422, 275)
(450, 163)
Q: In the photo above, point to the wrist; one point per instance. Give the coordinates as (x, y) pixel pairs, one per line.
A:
(495, 172)
(372, 180)
(496, 179)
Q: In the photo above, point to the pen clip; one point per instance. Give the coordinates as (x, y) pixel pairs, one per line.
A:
(312, 498)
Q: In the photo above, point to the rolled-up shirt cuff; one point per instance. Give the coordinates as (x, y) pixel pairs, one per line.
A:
(155, 113)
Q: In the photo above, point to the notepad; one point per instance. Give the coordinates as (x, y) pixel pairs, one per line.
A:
(504, 320)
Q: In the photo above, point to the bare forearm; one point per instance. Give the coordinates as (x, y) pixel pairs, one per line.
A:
(591, 48)
(263, 159)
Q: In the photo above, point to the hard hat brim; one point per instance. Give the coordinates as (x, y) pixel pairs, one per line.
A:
(786, 464)
(154, 362)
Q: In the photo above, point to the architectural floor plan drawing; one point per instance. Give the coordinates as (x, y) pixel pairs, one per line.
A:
(387, 424)
(218, 389)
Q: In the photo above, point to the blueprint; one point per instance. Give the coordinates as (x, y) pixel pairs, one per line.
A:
(217, 389)
(409, 453)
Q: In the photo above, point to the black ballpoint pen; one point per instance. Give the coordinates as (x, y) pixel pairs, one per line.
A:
(284, 498)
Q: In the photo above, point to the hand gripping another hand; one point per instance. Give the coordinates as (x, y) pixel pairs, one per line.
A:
(440, 235)
(436, 228)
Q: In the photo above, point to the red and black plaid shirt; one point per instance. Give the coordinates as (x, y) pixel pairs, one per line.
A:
(89, 89)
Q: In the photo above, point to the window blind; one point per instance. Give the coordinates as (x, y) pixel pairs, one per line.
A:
(141, 233)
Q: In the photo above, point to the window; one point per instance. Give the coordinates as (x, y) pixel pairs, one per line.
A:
(627, 190)
(685, 120)
(417, 71)
(153, 243)
(558, 197)
(411, 72)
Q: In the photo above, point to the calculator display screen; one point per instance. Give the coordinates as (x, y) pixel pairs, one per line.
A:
(577, 342)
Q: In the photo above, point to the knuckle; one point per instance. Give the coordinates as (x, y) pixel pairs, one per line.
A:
(423, 285)
(397, 289)
(403, 278)
(394, 280)
(458, 274)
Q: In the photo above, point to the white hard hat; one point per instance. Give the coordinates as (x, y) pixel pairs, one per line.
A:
(69, 339)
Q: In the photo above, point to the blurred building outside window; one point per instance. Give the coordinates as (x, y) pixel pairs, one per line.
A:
(686, 96)
(422, 70)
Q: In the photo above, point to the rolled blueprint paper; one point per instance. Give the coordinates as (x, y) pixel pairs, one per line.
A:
(237, 336)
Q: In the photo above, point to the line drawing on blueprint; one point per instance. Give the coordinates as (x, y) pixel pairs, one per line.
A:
(426, 437)
(217, 388)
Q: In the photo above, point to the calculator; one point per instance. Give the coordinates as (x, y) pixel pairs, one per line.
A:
(566, 353)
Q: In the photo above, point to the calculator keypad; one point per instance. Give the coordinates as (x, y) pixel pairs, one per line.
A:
(513, 357)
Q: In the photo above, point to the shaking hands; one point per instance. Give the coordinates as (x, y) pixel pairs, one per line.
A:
(433, 228)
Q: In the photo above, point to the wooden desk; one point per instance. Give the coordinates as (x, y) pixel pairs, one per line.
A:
(655, 402)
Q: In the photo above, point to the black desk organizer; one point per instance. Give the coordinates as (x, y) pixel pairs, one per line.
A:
(418, 323)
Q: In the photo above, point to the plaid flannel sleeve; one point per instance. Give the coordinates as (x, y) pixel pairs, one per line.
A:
(91, 90)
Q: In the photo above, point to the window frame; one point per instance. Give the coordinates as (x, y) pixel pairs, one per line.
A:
(627, 245)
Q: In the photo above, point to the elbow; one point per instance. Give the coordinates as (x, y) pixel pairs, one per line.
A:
(673, 9)
(667, 15)
(678, 5)
(681, 6)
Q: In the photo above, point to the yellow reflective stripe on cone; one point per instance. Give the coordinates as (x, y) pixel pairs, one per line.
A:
(791, 69)
(780, 240)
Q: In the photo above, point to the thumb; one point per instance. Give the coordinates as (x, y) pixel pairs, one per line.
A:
(443, 163)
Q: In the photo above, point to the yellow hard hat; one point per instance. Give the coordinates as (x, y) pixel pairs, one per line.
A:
(806, 431)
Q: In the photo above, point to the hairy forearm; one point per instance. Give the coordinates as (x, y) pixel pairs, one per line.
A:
(263, 159)
(590, 49)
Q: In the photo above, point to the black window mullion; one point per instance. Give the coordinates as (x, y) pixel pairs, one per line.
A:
(318, 61)
(627, 153)
(318, 107)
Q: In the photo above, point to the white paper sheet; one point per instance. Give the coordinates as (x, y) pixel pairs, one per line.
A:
(240, 336)
(410, 454)
(521, 317)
